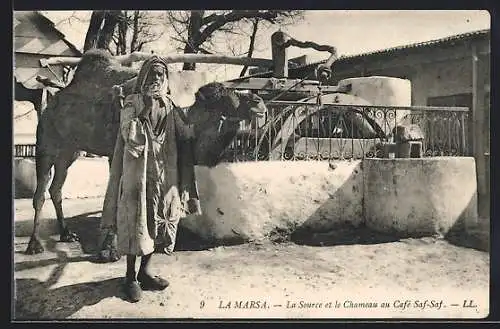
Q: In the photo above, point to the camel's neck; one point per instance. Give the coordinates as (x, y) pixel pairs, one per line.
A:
(212, 144)
(213, 136)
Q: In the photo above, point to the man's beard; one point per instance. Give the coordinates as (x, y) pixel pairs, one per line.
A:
(154, 90)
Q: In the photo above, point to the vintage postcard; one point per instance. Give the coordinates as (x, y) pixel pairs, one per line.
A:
(251, 164)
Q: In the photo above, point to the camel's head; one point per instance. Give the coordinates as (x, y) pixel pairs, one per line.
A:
(251, 105)
(217, 113)
(232, 105)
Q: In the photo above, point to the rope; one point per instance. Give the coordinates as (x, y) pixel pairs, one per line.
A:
(23, 115)
(54, 73)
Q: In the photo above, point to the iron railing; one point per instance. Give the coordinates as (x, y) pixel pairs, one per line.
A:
(29, 151)
(24, 150)
(299, 131)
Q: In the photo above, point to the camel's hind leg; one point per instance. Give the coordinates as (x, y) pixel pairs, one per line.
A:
(43, 165)
(62, 163)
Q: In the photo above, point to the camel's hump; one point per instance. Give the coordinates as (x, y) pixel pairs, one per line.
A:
(96, 58)
(98, 65)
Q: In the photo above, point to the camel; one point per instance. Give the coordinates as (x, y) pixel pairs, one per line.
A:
(84, 116)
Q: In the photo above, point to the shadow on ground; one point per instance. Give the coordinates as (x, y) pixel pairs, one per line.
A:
(87, 227)
(477, 237)
(189, 241)
(35, 300)
(345, 235)
(469, 233)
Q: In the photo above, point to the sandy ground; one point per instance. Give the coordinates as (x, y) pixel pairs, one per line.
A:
(416, 278)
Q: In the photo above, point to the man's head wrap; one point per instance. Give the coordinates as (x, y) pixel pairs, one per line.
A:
(143, 73)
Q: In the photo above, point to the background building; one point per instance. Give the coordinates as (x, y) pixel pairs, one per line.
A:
(452, 71)
(35, 38)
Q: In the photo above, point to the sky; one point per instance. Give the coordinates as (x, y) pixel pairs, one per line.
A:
(350, 31)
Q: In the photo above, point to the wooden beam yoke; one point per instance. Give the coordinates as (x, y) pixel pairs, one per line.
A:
(183, 58)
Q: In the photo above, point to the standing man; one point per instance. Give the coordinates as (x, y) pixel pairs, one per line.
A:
(152, 183)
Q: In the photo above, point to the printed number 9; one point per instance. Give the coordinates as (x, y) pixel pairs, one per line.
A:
(202, 304)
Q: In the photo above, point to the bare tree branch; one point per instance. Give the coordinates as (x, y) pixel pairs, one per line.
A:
(229, 30)
(222, 30)
(179, 20)
(210, 18)
(234, 16)
(251, 46)
(178, 39)
(108, 48)
(179, 33)
(69, 19)
(139, 47)
(204, 51)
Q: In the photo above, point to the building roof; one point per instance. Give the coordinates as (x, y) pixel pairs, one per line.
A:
(36, 36)
(396, 50)
(426, 44)
(27, 41)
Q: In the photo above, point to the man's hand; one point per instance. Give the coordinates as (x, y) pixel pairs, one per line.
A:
(117, 92)
(136, 141)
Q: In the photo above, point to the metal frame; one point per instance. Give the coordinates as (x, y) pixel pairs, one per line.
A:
(248, 145)
(414, 108)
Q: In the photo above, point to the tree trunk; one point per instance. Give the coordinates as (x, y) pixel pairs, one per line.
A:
(122, 34)
(101, 28)
(135, 32)
(93, 30)
(195, 23)
(251, 46)
(106, 34)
